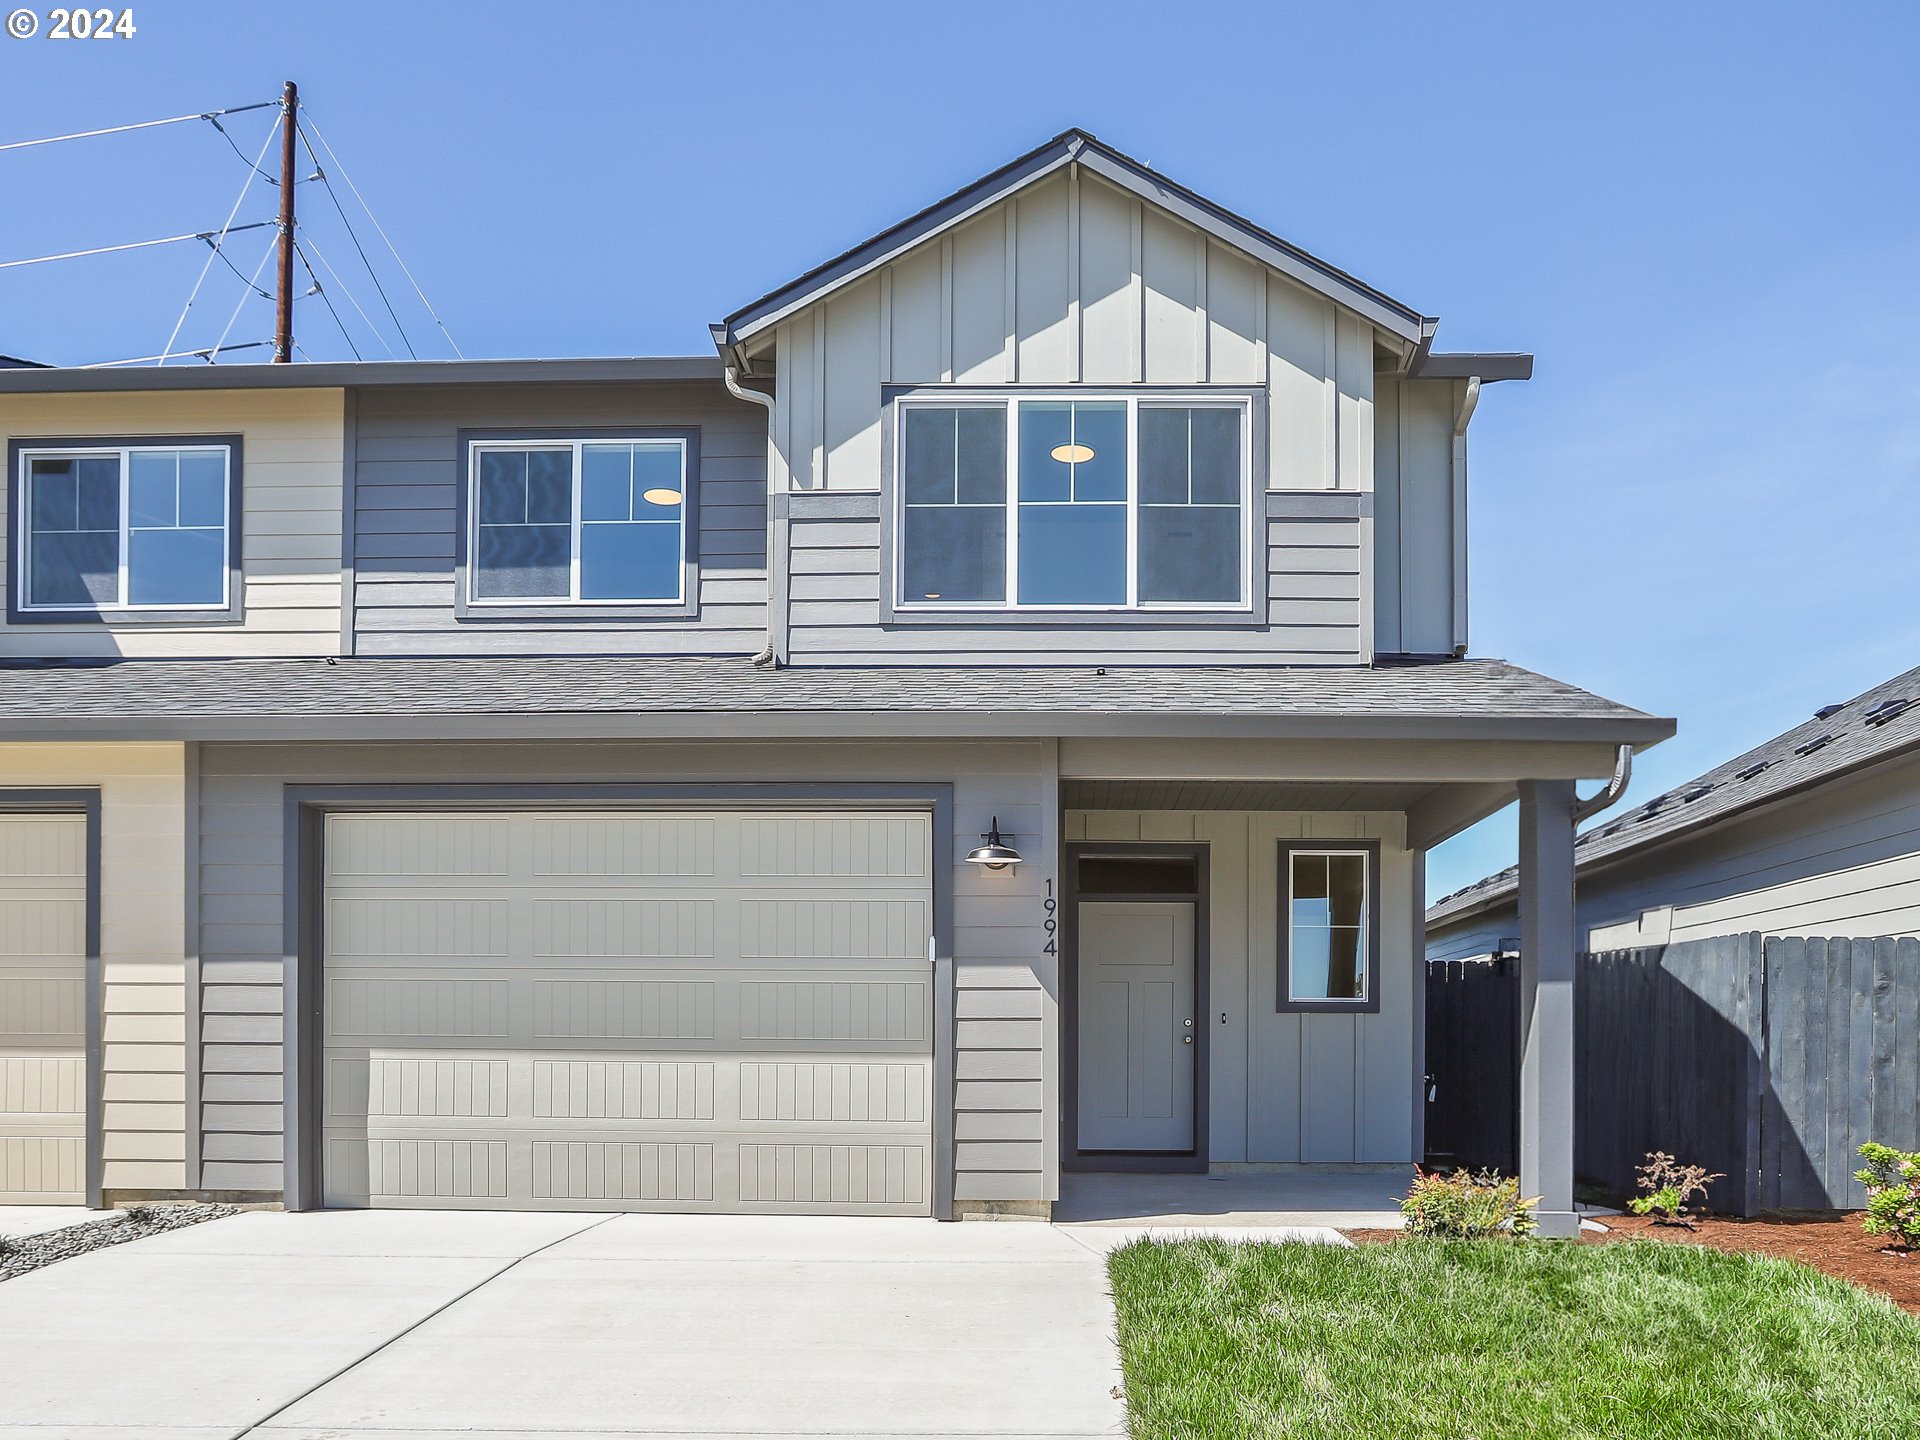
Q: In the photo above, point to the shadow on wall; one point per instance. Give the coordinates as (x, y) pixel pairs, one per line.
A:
(1769, 1060)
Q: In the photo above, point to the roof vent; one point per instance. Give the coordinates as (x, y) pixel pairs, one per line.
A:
(1695, 793)
(1889, 710)
(1818, 743)
(1825, 710)
(1758, 767)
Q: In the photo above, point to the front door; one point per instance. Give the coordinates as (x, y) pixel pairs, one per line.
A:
(1136, 1025)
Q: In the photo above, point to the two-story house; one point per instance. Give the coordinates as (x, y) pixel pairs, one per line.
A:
(986, 722)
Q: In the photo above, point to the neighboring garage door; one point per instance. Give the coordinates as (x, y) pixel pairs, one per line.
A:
(629, 1011)
(43, 992)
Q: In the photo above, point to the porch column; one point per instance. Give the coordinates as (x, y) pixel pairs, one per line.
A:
(1546, 1002)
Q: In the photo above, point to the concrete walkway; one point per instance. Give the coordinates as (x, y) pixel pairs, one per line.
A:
(394, 1325)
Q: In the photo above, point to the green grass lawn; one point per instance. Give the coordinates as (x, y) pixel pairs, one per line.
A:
(1498, 1340)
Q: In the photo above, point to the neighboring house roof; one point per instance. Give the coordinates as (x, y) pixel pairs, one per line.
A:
(1067, 148)
(14, 362)
(1871, 727)
(47, 379)
(1467, 699)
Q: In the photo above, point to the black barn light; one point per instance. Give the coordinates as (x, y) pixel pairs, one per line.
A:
(996, 854)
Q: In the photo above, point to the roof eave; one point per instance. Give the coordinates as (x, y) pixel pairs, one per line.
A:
(356, 374)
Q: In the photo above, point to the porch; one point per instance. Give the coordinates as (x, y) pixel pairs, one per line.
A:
(1241, 1008)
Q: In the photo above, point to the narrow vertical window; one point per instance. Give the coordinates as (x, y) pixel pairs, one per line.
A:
(1073, 502)
(1191, 525)
(1327, 928)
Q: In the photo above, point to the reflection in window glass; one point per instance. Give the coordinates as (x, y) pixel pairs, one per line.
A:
(1327, 925)
(1073, 503)
(954, 521)
(165, 547)
(579, 521)
(1190, 520)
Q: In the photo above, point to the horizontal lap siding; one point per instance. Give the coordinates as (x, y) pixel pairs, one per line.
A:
(292, 462)
(1006, 1023)
(406, 487)
(1312, 608)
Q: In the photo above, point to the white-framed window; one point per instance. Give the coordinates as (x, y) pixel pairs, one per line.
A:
(1063, 501)
(123, 528)
(1329, 926)
(591, 522)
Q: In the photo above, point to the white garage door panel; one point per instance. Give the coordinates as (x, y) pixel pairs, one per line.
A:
(726, 1012)
(43, 948)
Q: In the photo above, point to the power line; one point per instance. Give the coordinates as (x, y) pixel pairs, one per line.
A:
(346, 290)
(391, 248)
(141, 125)
(358, 248)
(206, 354)
(320, 290)
(133, 245)
(253, 284)
(194, 294)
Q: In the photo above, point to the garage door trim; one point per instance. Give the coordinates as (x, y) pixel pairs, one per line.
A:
(83, 801)
(307, 806)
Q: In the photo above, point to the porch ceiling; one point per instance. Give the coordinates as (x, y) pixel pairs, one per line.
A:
(1241, 795)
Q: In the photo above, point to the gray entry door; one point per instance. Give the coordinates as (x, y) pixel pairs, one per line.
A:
(1136, 1025)
(682, 1011)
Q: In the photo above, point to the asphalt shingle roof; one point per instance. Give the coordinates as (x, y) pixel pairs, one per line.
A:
(1840, 739)
(177, 690)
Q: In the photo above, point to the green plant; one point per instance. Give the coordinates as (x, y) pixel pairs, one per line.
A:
(1892, 1178)
(1667, 1188)
(1466, 1205)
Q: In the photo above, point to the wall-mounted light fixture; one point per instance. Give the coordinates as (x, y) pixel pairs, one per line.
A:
(996, 854)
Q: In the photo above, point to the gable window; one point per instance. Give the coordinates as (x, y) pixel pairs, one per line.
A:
(577, 521)
(1062, 502)
(124, 528)
(1329, 927)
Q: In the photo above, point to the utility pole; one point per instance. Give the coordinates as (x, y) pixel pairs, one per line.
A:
(283, 298)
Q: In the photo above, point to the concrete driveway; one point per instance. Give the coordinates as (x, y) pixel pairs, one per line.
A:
(390, 1325)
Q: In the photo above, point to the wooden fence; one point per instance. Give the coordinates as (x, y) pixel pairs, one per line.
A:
(1769, 1060)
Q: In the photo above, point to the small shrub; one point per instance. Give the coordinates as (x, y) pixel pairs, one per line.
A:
(1466, 1206)
(1892, 1178)
(1667, 1189)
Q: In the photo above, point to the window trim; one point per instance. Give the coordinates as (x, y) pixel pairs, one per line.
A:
(231, 610)
(1250, 611)
(1284, 1003)
(467, 608)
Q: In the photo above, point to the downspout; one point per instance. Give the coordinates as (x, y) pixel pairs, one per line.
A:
(1461, 419)
(767, 657)
(1615, 788)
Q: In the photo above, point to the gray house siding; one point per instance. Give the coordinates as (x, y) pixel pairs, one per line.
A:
(1841, 861)
(408, 471)
(1005, 1025)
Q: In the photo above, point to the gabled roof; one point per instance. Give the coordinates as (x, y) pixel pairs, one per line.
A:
(1838, 741)
(1069, 148)
(606, 696)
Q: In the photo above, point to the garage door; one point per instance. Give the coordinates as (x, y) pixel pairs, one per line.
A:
(43, 989)
(629, 1011)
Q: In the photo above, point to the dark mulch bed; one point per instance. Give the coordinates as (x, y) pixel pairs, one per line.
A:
(1834, 1244)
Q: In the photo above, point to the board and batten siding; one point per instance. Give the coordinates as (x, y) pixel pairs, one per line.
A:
(1841, 861)
(1419, 517)
(1076, 282)
(407, 474)
(145, 837)
(1293, 1089)
(293, 445)
(1006, 1021)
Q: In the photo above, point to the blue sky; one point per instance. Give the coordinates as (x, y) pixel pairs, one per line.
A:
(1704, 220)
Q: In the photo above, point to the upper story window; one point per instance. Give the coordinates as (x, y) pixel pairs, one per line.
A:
(105, 528)
(1062, 502)
(577, 521)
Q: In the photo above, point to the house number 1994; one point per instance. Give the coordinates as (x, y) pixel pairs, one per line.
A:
(1050, 925)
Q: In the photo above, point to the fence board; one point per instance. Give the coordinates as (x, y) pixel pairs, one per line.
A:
(1769, 1060)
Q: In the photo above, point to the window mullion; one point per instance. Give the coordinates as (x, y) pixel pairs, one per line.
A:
(1011, 499)
(1133, 502)
(573, 518)
(126, 515)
